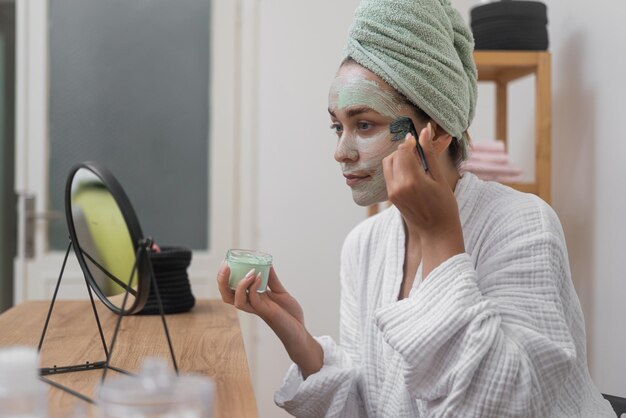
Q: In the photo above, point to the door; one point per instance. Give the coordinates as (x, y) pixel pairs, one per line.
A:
(147, 89)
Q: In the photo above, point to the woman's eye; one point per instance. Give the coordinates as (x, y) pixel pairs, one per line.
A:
(337, 128)
(364, 126)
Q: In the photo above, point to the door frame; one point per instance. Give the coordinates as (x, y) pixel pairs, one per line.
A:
(35, 278)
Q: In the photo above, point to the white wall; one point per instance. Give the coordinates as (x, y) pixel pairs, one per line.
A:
(589, 171)
(305, 209)
(588, 44)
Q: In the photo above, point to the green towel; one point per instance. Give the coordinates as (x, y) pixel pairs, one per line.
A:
(423, 49)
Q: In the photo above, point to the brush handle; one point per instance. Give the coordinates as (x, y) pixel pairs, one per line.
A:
(420, 150)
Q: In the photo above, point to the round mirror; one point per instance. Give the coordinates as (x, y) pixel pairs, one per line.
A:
(106, 235)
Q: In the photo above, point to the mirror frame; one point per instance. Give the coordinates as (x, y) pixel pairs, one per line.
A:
(128, 213)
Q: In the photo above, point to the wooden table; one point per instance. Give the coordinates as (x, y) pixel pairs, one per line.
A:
(206, 340)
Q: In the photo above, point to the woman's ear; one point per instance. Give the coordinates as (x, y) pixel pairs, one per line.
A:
(442, 139)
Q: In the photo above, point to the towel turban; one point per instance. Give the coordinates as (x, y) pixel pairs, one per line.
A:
(423, 49)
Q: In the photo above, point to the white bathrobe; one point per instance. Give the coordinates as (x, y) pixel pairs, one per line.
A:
(493, 332)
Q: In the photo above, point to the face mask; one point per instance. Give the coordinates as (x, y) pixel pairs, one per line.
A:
(365, 150)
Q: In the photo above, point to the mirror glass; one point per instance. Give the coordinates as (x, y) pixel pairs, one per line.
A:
(103, 238)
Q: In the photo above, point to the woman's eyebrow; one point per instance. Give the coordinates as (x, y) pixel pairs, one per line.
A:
(355, 111)
(350, 113)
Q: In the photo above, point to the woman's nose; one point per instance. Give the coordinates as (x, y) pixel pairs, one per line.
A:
(346, 151)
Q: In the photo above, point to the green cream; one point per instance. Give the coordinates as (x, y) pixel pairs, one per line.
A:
(358, 91)
(242, 261)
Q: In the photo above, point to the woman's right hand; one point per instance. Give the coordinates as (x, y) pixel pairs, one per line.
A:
(279, 310)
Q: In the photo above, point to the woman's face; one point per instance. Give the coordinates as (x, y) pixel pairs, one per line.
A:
(361, 107)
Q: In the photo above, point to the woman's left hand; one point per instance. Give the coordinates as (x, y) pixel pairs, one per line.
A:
(425, 199)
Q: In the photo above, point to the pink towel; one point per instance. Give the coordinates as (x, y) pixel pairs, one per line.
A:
(490, 168)
(489, 161)
(490, 157)
(496, 146)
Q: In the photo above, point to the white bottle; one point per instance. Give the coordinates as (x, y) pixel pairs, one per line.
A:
(22, 394)
(157, 393)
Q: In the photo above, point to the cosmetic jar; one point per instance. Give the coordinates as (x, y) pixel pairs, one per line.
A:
(157, 392)
(242, 261)
(22, 394)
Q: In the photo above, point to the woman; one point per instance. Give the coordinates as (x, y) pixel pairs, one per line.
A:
(456, 301)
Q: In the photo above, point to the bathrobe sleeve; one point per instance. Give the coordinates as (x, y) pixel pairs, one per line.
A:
(491, 339)
(333, 390)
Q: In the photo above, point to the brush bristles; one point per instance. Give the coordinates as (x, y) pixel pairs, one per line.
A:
(400, 127)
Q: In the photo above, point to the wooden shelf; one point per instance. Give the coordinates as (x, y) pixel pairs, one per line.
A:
(507, 66)
(503, 67)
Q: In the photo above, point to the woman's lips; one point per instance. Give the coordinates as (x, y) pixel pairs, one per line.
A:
(354, 179)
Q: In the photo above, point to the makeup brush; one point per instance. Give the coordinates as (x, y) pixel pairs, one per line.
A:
(402, 126)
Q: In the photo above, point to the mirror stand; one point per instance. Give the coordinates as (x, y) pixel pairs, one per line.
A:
(142, 251)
